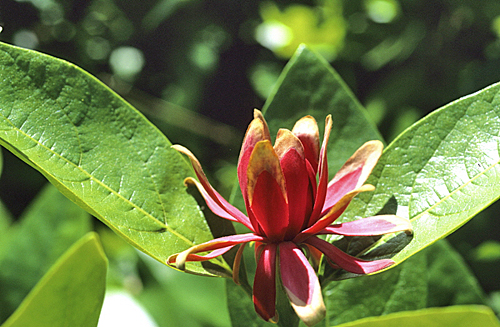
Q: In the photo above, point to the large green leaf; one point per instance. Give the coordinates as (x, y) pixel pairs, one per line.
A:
(310, 86)
(71, 292)
(98, 151)
(456, 316)
(399, 289)
(450, 280)
(49, 226)
(437, 276)
(440, 172)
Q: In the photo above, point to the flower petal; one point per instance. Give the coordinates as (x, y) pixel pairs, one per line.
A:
(214, 200)
(345, 261)
(298, 189)
(266, 191)
(257, 131)
(323, 174)
(353, 173)
(219, 245)
(306, 130)
(377, 225)
(333, 214)
(301, 284)
(221, 208)
(264, 285)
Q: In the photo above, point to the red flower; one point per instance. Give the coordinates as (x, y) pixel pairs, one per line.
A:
(287, 208)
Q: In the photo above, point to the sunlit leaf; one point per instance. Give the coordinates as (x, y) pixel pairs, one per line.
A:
(98, 151)
(70, 293)
(437, 276)
(441, 171)
(455, 316)
(399, 289)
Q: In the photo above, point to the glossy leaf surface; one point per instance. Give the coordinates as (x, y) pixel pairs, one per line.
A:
(98, 151)
(71, 292)
(456, 316)
(441, 171)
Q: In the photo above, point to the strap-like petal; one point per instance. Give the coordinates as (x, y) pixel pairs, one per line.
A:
(219, 245)
(221, 208)
(266, 191)
(353, 173)
(377, 225)
(323, 174)
(301, 284)
(264, 285)
(257, 131)
(298, 189)
(214, 200)
(345, 261)
(306, 130)
(333, 214)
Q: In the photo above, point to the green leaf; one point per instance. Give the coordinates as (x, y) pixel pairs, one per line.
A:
(48, 227)
(456, 316)
(310, 86)
(177, 299)
(440, 172)
(71, 292)
(450, 281)
(399, 289)
(98, 151)
(241, 309)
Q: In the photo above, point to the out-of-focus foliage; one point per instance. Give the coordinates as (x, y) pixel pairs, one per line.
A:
(322, 28)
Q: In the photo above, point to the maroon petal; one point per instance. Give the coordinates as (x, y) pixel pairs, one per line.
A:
(264, 285)
(298, 189)
(266, 191)
(221, 208)
(301, 284)
(323, 174)
(257, 131)
(353, 173)
(214, 200)
(219, 245)
(377, 225)
(346, 261)
(333, 214)
(306, 130)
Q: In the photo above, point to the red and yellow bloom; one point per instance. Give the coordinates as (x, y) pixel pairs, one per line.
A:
(289, 202)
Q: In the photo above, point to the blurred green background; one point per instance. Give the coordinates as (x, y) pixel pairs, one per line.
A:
(197, 68)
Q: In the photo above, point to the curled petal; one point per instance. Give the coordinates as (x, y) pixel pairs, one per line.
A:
(264, 285)
(323, 174)
(353, 173)
(306, 130)
(214, 200)
(221, 208)
(301, 284)
(377, 225)
(345, 261)
(219, 246)
(333, 214)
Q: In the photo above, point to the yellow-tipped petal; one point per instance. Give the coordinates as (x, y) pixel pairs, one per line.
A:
(366, 157)
(286, 140)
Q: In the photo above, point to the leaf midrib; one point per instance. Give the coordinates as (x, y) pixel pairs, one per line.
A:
(167, 227)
